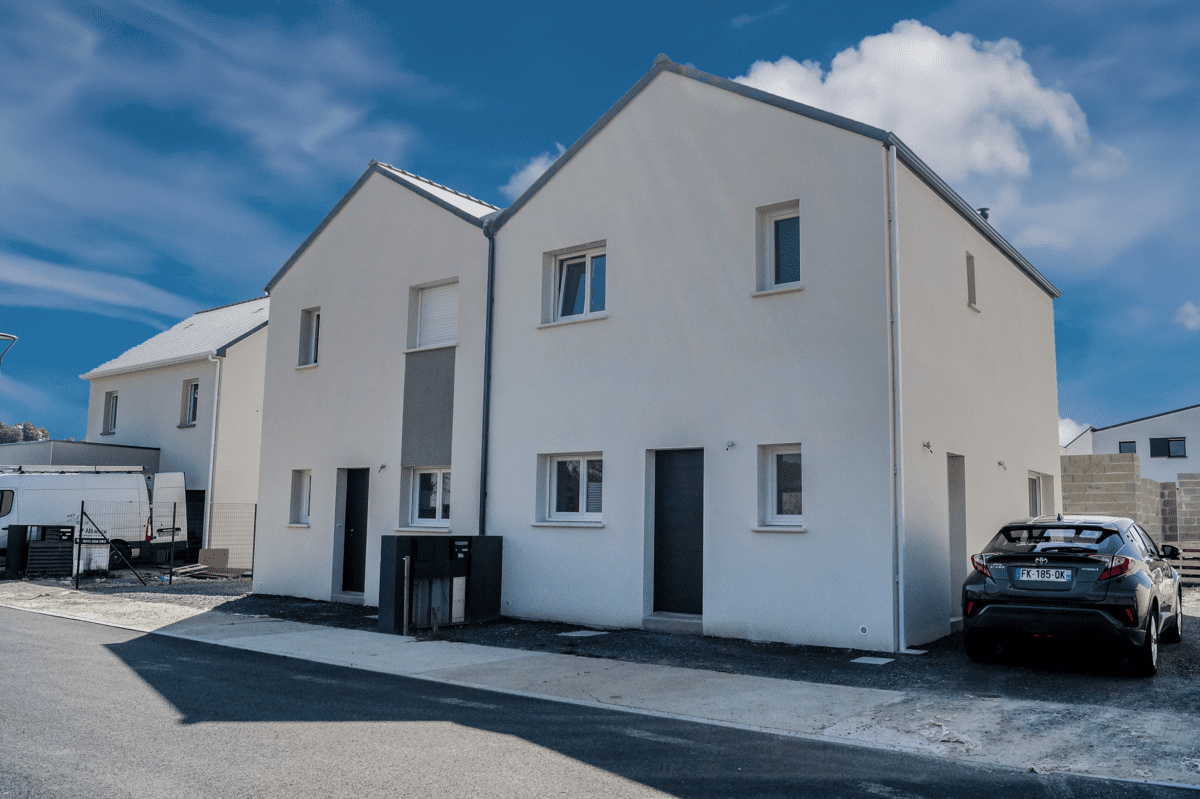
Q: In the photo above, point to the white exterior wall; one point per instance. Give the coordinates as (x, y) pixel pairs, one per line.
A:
(1180, 424)
(980, 384)
(347, 411)
(239, 420)
(687, 358)
(149, 412)
(1083, 444)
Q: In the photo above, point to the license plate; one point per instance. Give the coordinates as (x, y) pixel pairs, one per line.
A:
(1045, 575)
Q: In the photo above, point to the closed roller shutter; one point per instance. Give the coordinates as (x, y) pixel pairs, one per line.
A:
(438, 323)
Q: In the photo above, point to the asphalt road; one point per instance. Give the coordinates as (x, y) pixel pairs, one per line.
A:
(93, 711)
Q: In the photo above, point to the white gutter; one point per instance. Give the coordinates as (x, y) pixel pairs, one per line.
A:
(140, 367)
(898, 634)
(212, 453)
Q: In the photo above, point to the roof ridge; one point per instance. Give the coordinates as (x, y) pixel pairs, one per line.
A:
(464, 195)
(230, 305)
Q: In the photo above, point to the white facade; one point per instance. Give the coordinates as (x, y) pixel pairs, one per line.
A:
(689, 353)
(1162, 461)
(195, 392)
(363, 270)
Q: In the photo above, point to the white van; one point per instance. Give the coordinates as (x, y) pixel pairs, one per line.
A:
(117, 503)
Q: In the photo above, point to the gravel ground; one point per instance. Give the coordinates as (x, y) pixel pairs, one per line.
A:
(944, 668)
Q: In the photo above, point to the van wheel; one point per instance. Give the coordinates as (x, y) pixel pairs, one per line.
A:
(1174, 634)
(114, 559)
(1143, 661)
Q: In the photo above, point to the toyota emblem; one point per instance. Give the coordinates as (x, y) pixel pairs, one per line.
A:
(1040, 561)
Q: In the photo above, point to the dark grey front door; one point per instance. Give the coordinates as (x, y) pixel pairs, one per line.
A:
(354, 560)
(679, 531)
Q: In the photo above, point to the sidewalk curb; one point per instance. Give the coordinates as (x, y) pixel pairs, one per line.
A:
(872, 745)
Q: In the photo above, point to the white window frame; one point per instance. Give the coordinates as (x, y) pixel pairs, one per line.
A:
(301, 500)
(767, 216)
(310, 336)
(110, 412)
(191, 403)
(771, 487)
(588, 257)
(582, 514)
(1035, 495)
(414, 497)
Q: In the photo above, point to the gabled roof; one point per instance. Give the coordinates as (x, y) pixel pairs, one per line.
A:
(1144, 418)
(202, 334)
(903, 153)
(1079, 435)
(461, 205)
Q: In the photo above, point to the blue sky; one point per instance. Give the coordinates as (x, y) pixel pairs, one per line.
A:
(161, 158)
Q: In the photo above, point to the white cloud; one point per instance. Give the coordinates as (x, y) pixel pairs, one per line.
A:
(1035, 236)
(1189, 316)
(1068, 431)
(961, 103)
(742, 20)
(19, 393)
(525, 177)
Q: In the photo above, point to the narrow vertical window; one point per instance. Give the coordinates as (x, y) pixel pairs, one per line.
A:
(787, 250)
(190, 409)
(597, 284)
(301, 496)
(110, 412)
(1035, 496)
(778, 246)
(971, 281)
(310, 336)
(782, 485)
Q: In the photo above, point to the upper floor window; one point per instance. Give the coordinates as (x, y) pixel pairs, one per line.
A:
(971, 282)
(1127, 446)
(433, 315)
(778, 238)
(191, 403)
(579, 284)
(310, 336)
(110, 412)
(1168, 448)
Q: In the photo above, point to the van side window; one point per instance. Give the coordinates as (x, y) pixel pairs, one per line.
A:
(6, 498)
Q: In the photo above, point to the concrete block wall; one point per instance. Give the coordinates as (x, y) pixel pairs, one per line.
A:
(1188, 506)
(1169, 512)
(1106, 485)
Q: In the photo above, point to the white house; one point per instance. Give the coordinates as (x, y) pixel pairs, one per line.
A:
(1160, 441)
(194, 391)
(755, 371)
(374, 385)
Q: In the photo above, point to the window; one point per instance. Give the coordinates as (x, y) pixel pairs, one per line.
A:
(579, 283)
(110, 412)
(431, 497)
(783, 486)
(1035, 496)
(576, 487)
(436, 316)
(1168, 448)
(310, 336)
(778, 245)
(301, 495)
(1127, 446)
(971, 281)
(191, 403)
(6, 500)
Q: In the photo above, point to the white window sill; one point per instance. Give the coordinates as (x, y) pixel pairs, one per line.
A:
(432, 347)
(108, 433)
(565, 523)
(785, 289)
(299, 525)
(574, 320)
(419, 529)
(780, 528)
(307, 366)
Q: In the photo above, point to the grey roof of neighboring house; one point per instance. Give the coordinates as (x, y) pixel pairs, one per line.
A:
(202, 334)
(903, 153)
(1144, 418)
(461, 205)
(1078, 436)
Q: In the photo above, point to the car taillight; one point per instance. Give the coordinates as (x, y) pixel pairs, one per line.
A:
(1119, 566)
(980, 565)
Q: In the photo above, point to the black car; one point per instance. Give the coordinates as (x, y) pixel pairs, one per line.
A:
(1099, 577)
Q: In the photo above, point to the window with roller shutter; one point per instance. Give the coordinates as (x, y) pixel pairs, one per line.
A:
(437, 321)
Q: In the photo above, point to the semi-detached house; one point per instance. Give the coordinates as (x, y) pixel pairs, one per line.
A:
(755, 370)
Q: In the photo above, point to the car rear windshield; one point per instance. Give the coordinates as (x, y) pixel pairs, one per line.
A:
(1022, 540)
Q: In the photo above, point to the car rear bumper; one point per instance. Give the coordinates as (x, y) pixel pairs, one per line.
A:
(1055, 621)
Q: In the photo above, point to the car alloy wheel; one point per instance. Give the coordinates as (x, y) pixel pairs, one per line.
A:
(1175, 634)
(1144, 660)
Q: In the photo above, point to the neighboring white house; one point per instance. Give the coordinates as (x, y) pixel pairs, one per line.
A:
(163, 392)
(1160, 441)
(756, 370)
(374, 385)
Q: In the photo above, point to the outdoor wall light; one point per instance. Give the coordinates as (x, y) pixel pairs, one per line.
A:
(382, 466)
(927, 446)
(1001, 465)
(728, 444)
